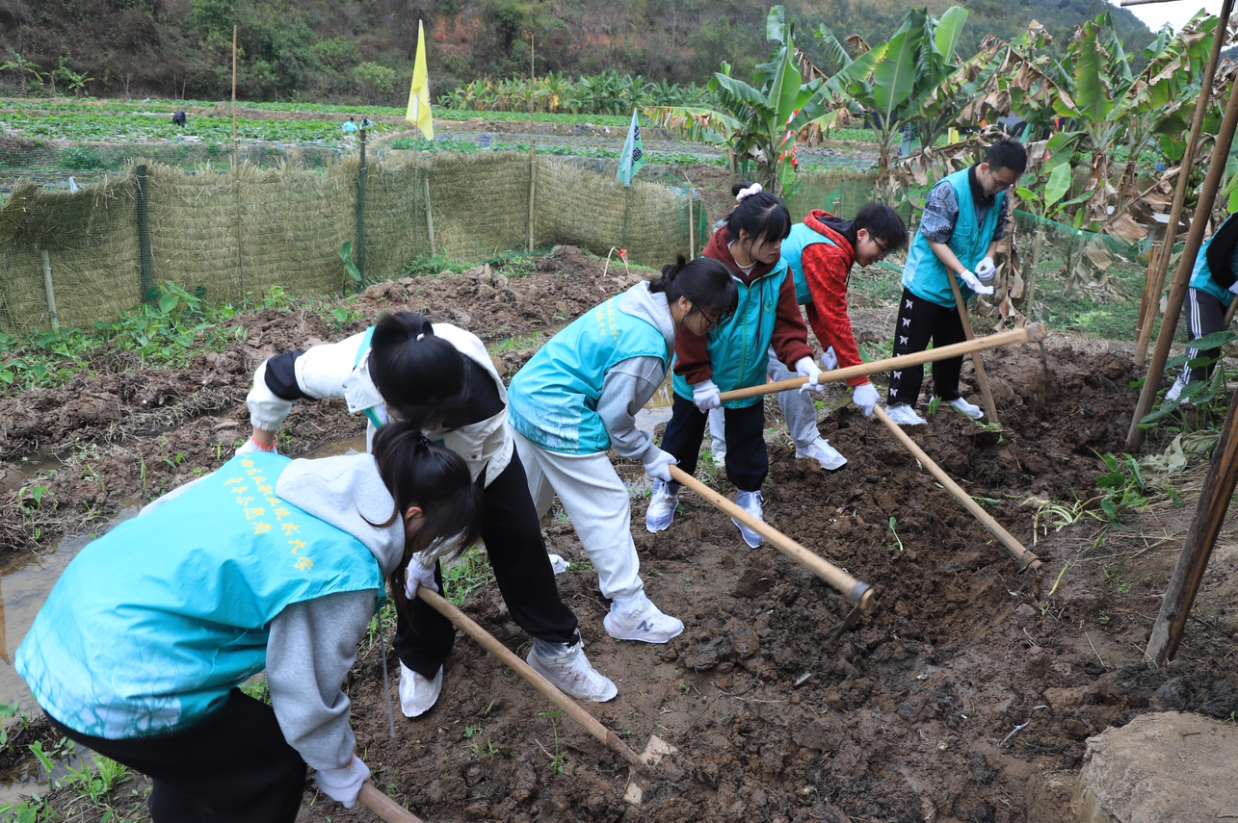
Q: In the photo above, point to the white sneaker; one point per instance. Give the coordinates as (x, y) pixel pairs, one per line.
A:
(963, 407)
(905, 415)
(754, 504)
(823, 453)
(662, 503)
(418, 694)
(1175, 391)
(638, 619)
(568, 668)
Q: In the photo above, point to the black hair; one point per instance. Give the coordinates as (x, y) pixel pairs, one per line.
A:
(705, 282)
(1007, 154)
(420, 376)
(761, 215)
(419, 473)
(882, 223)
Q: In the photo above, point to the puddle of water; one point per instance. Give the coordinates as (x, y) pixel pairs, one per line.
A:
(353, 445)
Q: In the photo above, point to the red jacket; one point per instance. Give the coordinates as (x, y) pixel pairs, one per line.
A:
(790, 341)
(827, 269)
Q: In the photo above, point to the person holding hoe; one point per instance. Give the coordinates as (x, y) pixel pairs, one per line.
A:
(964, 218)
(439, 378)
(265, 564)
(577, 398)
(1214, 282)
(733, 355)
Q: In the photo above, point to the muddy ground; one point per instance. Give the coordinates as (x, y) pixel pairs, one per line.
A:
(965, 696)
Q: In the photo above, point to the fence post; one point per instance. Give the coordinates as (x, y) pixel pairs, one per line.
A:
(362, 174)
(50, 290)
(532, 189)
(691, 228)
(147, 281)
(429, 211)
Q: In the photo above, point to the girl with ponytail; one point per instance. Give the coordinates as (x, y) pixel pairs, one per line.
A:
(577, 398)
(439, 379)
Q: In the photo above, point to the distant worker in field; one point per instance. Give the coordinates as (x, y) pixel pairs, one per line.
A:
(1211, 293)
(349, 127)
(964, 218)
(733, 355)
(577, 399)
(267, 564)
(440, 378)
(179, 119)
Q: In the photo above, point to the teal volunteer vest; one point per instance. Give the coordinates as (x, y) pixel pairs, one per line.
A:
(793, 255)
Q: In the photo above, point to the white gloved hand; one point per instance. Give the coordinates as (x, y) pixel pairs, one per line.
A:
(1234, 287)
(985, 270)
(829, 360)
(418, 574)
(344, 784)
(974, 284)
(866, 398)
(706, 396)
(805, 367)
(659, 465)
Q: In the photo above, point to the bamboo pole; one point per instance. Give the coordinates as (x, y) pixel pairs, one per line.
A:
(982, 377)
(1008, 540)
(1197, 548)
(1031, 333)
(1177, 294)
(429, 211)
(570, 707)
(1159, 265)
(50, 290)
(691, 230)
(856, 591)
(532, 189)
(235, 159)
(383, 806)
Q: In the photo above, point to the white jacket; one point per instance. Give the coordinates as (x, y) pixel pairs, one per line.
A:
(334, 371)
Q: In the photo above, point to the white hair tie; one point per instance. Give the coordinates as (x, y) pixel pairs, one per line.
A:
(755, 188)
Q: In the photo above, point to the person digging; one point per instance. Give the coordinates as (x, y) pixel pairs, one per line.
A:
(1211, 293)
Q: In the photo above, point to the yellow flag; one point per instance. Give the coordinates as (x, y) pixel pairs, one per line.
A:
(419, 94)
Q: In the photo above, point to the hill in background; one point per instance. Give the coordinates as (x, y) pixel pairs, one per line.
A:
(319, 50)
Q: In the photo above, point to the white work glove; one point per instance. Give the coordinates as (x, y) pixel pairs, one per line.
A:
(1234, 287)
(985, 270)
(659, 466)
(865, 397)
(829, 360)
(418, 574)
(706, 396)
(974, 284)
(344, 784)
(805, 367)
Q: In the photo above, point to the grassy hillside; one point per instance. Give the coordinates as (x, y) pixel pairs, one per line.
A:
(362, 49)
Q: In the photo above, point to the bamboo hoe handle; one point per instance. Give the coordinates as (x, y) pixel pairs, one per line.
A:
(384, 806)
(1007, 539)
(856, 591)
(1031, 333)
(982, 377)
(572, 709)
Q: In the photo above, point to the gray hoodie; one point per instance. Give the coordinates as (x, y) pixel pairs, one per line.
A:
(313, 644)
(631, 383)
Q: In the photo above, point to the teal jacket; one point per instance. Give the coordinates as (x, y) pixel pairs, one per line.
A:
(1206, 280)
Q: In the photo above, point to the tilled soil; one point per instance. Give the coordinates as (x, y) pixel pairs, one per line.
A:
(966, 695)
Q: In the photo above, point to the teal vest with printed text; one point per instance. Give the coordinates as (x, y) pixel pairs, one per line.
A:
(793, 255)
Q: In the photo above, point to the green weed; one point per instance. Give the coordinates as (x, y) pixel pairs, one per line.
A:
(470, 572)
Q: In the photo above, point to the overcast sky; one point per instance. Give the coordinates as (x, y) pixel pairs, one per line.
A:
(1176, 13)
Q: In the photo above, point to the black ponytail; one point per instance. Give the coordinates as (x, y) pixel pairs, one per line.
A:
(705, 282)
(420, 376)
(762, 215)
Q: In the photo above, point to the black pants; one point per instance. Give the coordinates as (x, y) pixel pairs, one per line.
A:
(513, 538)
(747, 461)
(1204, 315)
(233, 767)
(919, 322)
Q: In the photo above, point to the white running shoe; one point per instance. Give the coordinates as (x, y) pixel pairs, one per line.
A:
(418, 694)
(905, 415)
(963, 407)
(823, 453)
(568, 668)
(662, 503)
(638, 619)
(1175, 391)
(754, 504)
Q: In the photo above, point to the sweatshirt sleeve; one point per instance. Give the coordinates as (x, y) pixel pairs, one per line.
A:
(692, 357)
(1221, 251)
(316, 374)
(628, 386)
(827, 273)
(311, 647)
(790, 340)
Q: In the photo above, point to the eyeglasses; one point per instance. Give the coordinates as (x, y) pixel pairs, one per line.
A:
(710, 322)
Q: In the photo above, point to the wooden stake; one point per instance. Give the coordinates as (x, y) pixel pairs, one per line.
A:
(235, 159)
(982, 377)
(1197, 548)
(1229, 315)
(383, 806)
(532, 188)
(429, 212)
(856, 591)
(50, 290)
(1017, 549)
(1032, 333)
(1159, 265)
(691, 230)
(570, 707)
(1177, 294)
